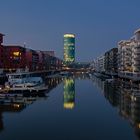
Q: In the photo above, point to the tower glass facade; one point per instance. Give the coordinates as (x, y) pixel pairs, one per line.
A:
(69, 48)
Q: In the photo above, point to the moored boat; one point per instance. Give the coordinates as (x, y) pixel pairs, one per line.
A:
(25, 81)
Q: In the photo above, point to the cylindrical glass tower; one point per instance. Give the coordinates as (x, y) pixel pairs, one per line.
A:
(69, 48)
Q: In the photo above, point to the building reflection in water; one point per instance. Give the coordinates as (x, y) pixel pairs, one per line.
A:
(69, 93)
(18, 102)
(125, 96)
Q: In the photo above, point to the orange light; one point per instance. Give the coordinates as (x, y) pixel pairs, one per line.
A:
(16, 53)
(69, 105)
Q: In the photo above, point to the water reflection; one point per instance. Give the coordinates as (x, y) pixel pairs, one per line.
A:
(9, 107)
(69, 89)
(18, 102)
(125, 96)
(91, 113)
(69, 93)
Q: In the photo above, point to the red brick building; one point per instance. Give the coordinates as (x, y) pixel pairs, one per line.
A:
(41, 63)
(1, 51)
(1, 38)
(1, 57)
(51, 62)
(14, 57)
(50, 53)
(32, 60)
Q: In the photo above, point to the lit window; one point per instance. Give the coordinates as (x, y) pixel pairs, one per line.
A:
(16, 53)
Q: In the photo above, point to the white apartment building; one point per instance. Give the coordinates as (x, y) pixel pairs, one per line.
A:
(136, 52)
(101, 64)
(124, 56)
(129, 57)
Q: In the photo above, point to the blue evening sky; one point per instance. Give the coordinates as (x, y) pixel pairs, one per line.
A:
(98, 24)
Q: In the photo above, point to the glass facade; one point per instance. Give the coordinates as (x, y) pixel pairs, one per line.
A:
(69, 48)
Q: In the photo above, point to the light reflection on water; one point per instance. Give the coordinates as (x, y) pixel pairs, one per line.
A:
(69, 93)
(76, 107)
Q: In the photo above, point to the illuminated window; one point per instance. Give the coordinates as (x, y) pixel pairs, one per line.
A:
(16, 53)
(69, 35)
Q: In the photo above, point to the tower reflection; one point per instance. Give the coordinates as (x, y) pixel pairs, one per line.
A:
(69, 93)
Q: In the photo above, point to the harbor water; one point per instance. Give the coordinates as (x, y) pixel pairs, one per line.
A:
(79, 107)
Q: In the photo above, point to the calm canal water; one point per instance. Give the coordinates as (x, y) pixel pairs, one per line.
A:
(76, 108)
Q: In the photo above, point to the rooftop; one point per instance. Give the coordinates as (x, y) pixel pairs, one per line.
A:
(137, 31)
(2, 34)
(69, 35)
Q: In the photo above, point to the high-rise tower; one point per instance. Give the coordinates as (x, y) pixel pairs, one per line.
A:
(69, 48)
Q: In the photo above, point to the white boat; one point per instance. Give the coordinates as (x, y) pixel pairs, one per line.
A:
(24, 82)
